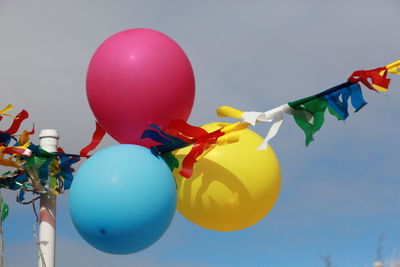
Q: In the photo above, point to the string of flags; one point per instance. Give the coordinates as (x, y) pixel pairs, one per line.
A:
(308, 112)
(38, 171)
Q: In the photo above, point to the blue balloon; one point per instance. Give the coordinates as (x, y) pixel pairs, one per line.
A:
(122, 199)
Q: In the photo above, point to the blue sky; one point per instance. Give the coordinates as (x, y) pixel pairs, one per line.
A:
(337, 196)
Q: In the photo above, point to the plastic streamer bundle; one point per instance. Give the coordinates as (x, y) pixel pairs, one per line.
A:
(35, 170)
(180, 134)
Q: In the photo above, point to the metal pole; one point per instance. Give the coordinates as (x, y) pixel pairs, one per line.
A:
(47, 226)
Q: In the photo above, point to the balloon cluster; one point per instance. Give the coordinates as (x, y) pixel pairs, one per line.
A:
(141, 87)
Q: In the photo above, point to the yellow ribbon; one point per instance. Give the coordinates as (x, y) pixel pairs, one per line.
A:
(6, 109)
(24, 140)
(8, 162)
(230, 135)
(232, 127)
(229, 112)
(394, 67)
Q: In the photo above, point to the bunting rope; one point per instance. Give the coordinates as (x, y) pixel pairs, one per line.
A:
(39, 171)
(309, 112)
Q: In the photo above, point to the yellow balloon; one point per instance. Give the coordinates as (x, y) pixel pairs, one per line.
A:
(232, 187)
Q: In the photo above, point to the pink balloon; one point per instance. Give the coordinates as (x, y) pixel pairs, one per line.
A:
(137, 77)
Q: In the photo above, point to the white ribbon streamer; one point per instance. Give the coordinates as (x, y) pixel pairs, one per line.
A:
(274, 115)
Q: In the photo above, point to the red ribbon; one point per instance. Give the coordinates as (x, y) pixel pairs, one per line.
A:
(377, 79)
(96, 139)
(17, 122)
(200, 138)
(185, 131)
(32, 131)
(198, 148)
(16, 150)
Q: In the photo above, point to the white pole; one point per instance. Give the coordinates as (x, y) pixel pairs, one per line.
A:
(47, 227)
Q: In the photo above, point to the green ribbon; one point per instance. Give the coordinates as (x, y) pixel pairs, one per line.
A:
(171, 160)
(4, 209)
(309, 115)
